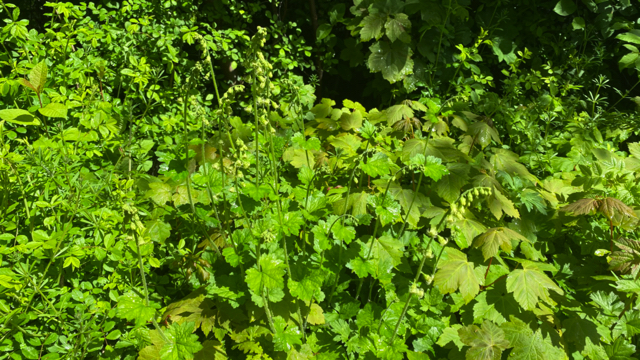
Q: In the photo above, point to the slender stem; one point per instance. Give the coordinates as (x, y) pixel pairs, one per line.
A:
(186, 147)
(265, 299)
(146, 290)
(415, 280)
(344, 211)
(624, 96)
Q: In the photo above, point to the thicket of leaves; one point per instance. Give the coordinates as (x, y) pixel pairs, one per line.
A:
(173, 187)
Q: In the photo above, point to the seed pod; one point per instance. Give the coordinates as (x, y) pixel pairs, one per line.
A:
(442, 241)
(432, 232)
(413, 289)
(428, 279)
(463, 201)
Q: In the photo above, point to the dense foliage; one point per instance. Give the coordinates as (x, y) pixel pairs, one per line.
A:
(176, 181)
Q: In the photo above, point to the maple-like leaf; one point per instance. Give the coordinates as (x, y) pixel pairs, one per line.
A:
(608, 207)
(286, 336)
(528, 345)
(530, 284)
(486, 342)
(628, 258)
(270, 275)
(457, 273)
(183, 344)
(133, 308)
(495, 238)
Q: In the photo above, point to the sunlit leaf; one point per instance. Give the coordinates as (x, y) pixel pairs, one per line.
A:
(495, 238)
(530, 285)
(627, 259)
(486, 342)
(457, 273)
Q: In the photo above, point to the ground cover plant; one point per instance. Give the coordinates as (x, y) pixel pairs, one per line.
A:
(420, 179)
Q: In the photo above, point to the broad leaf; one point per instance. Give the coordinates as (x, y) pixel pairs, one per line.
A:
(565, 7)
(38, 76)
(54, 110)
(270, 275)
(486, 342)
(18, 116)
(627, 260)
(286, 336)
(392, 59)
(183, 343)
(159, 192)
(132, 307)
(530, 285)
(528, 345)
(377, 165)
(495, 238)
(457, 273)
(396, 28)
(372, 26)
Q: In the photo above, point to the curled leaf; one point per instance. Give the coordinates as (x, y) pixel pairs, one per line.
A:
(627, 259)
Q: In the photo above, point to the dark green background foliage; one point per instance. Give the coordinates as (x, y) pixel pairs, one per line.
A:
(419, 179)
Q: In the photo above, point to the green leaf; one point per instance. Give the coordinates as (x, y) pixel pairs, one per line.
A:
(351, 120)
(498, 204)
(307, 288)
(467, 230)
(457, 273)
(578, 23)
(398, 112)
(627, 259)
(528, 345)
(211, 350)
(620, 350)
(348, 142)
(357, 204)
(312, 144)
(159, 192)
(507, 161)
(372, 26)
(433, 168)
(132, 307)
(316, 315)
(38, 76)
(628, 60)
(632, 36)
(324, 30)
(634, 150)
(54, 110)
(392, 59)
(396, 28)
(183, 343)
(270, 275)
(565, 7)
(386, 208)
(323, 109)
(450, 334)
(157, 230)
(486, 342)
(18, 116)
(286, 336)
(533, 200)
(577, 330)
(530, 285)
(377, 165)
(448, 187)
(495, 238)
(387, 247)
